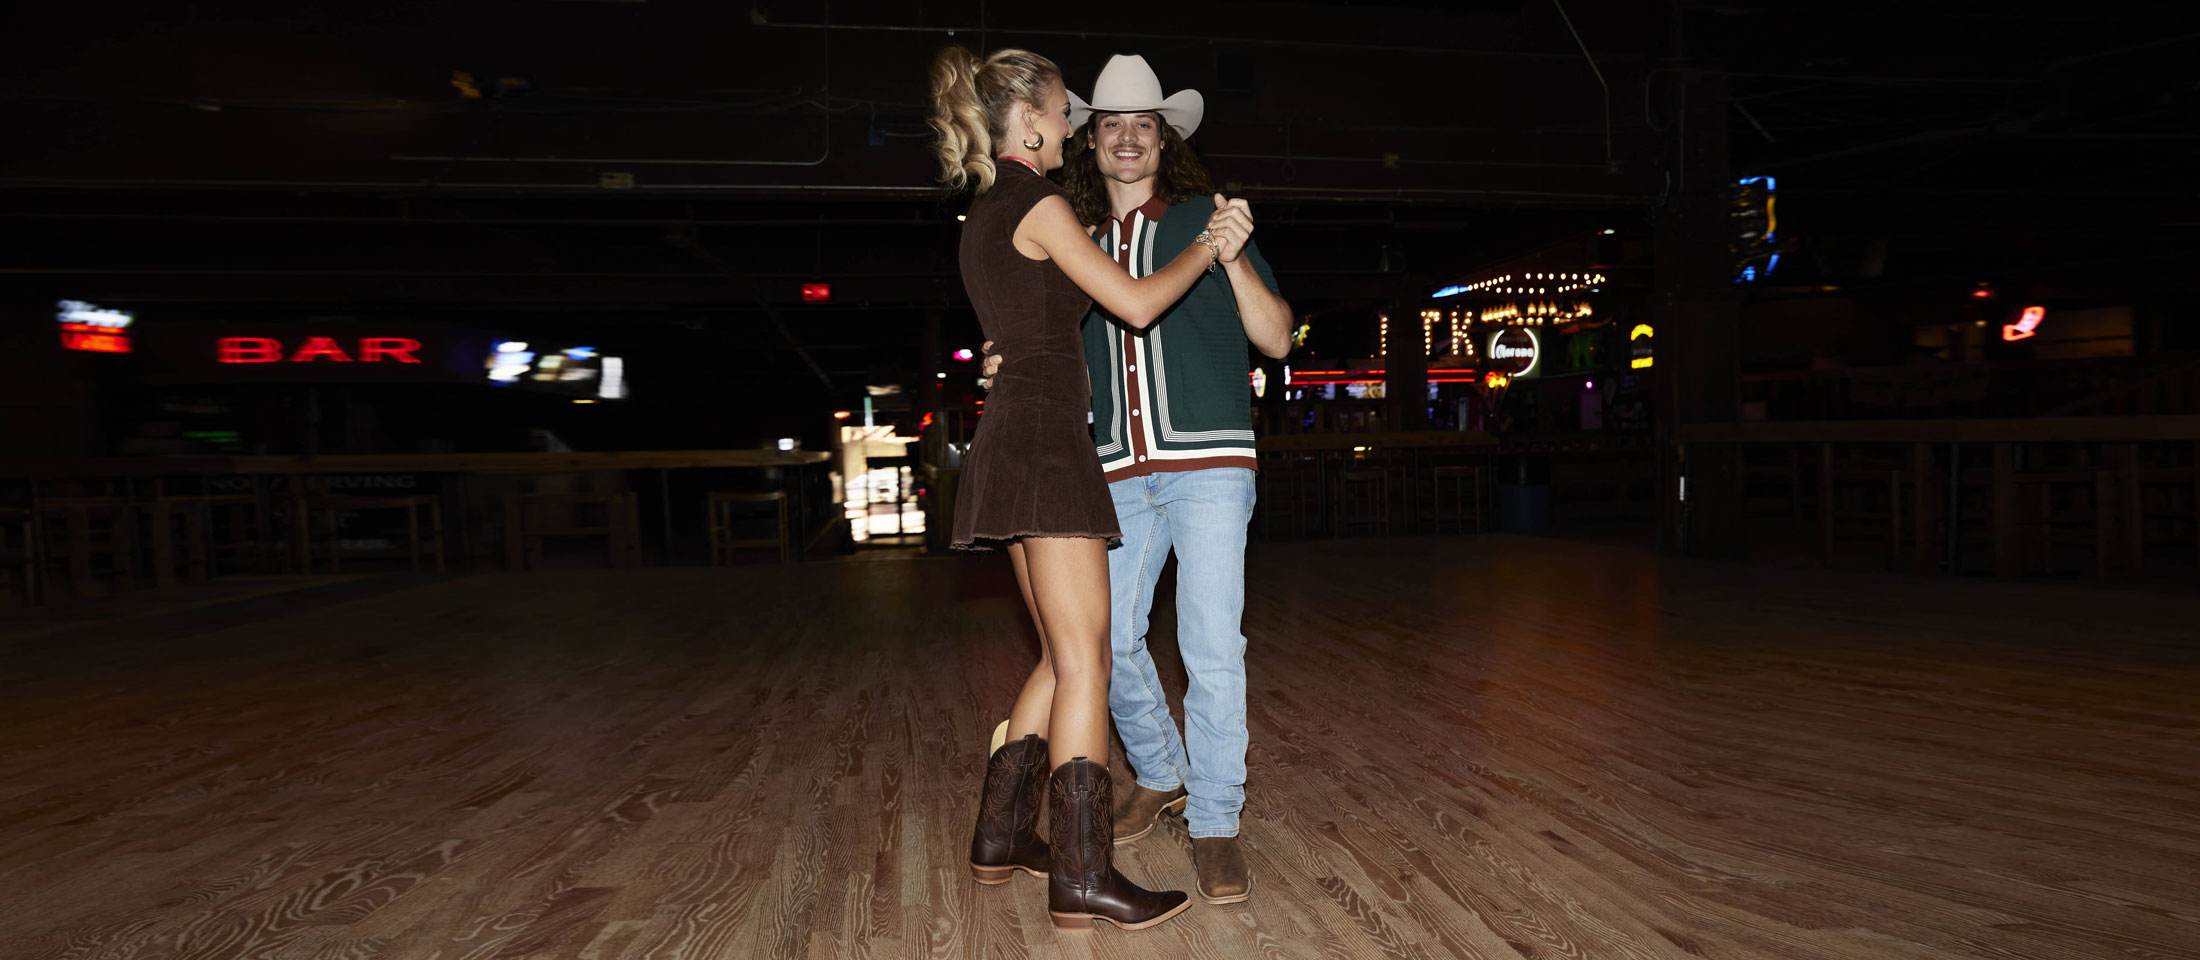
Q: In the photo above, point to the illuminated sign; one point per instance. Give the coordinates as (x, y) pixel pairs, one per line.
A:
(324, 350)
(2027, 325)
(1317, 378)
(1496, 381)
(1638, 345)
(1756, 218)
(817, 293)
(93, 329)
(317, 350)
(583, 370)
(1514, 351)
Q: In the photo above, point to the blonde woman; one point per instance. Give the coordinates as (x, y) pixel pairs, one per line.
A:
(1031, 483)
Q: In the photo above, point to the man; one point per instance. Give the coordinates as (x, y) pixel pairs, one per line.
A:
(1172, 421)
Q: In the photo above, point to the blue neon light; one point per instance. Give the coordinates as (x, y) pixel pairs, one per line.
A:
(581, 353)
(1447, 292)
(1770, 264)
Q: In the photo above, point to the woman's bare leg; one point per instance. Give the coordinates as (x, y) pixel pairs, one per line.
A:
(1068, 582)
(1036, 701)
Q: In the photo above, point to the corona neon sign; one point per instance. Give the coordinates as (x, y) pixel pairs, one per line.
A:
(1638, 344)
(1517, 348)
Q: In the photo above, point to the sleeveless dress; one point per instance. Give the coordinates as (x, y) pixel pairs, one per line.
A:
(1031, 470)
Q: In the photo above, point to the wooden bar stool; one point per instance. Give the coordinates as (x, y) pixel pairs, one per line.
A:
(176, 531)
(423, 530)
(218, 526)
(725, 511)
(531, 518)
(1363, 499)
(1465, 501)
(94, 539)
(18, 558)
(1287, 493)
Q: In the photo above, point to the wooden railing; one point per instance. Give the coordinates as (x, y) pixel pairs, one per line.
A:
(2115, 484)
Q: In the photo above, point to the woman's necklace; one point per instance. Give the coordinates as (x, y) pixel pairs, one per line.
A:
(1034, 167)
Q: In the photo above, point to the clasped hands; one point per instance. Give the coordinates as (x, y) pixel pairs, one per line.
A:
(1230, 226)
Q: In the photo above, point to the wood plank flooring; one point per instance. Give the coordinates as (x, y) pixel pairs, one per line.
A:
(1487, 746)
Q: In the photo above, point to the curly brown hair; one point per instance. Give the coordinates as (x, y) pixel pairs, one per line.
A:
(1179, 178)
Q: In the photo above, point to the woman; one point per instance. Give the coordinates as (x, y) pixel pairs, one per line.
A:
(1031, 482)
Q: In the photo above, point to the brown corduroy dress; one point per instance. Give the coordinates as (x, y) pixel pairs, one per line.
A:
(1031, 470)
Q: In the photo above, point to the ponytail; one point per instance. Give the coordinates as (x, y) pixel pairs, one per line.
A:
(972, 100)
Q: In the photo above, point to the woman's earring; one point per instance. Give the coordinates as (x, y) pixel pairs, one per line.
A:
(1035, 142)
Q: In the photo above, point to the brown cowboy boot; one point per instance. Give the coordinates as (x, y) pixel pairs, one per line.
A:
(1142, 810)
(1085, 886)
(1223, 875)
(1007, 837)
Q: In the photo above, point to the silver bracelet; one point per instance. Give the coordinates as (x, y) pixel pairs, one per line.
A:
(1209, 240)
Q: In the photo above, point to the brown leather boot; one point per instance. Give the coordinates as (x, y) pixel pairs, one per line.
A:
(1085, 886)
(1223, 875)
(1142, 810)
(1007, 838)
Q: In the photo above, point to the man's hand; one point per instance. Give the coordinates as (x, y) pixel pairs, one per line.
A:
(1232, 226)
(991, 366)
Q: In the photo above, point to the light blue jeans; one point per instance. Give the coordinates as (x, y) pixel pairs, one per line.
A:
(1202, 515)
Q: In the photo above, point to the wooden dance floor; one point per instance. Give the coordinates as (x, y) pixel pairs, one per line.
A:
(1489, 747)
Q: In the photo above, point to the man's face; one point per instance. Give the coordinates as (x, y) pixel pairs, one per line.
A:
(1127, 145)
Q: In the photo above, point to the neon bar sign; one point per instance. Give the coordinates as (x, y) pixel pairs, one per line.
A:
(1638, 341)
(93, 329)
(2027, 325)
(318, 350)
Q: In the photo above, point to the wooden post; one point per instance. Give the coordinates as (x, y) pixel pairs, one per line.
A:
(1795, 481)
(2134, 510)
(80, 552)
(1921, 467)
(1894, 516)
(515, 525)
(2006, 564)
(2104, 521)
(1825, 504)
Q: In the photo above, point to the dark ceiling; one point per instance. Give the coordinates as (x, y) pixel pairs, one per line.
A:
(681, 167)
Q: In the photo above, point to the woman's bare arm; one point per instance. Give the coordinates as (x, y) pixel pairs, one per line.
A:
(1053, 229)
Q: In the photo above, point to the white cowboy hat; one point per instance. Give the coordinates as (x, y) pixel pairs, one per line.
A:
(1128, 85)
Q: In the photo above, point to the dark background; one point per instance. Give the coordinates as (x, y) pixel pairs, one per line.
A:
(250, 163)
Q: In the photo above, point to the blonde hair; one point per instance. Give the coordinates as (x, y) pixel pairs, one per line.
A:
(972, 100)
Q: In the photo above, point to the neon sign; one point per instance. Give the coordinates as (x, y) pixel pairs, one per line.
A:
(1638, 345)
(318, 350)
(1517, 348)
(93, 329)
(2027, 325)
(584, 370)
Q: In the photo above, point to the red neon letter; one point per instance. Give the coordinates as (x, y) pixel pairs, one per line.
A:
(399, 349)
(250, 350)
(320, 347)
(2027, 325)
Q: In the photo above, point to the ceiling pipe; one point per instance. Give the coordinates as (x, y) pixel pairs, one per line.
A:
(1170, 37)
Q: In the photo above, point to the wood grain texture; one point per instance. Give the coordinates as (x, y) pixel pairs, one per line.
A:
(1487, 747)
